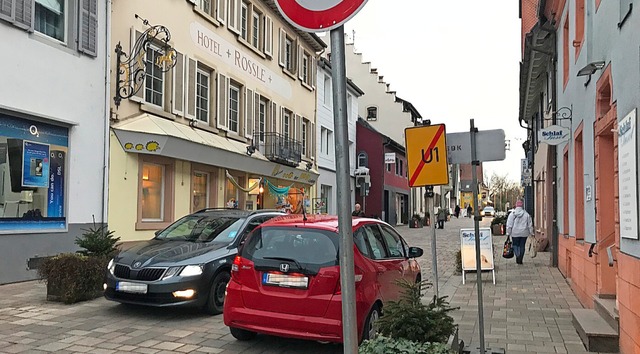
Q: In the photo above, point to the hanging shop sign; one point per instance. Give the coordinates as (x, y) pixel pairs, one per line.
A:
(554, 135)
(293, 174)
(628, 176)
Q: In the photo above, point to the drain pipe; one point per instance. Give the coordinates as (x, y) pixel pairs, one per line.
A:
(554, 160)
(107, 115)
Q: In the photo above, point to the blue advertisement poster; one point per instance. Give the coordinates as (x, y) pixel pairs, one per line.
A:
(35, 170)
(33, 166)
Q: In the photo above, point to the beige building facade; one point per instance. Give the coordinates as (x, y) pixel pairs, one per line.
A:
(232, 124)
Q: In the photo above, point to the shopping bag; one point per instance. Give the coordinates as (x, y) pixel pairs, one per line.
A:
(507, 252)
(533, 246)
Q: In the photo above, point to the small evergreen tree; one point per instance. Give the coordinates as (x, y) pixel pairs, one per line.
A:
(97, 241)
(408, 318)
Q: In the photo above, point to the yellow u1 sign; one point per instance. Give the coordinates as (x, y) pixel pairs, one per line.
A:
(427, 155)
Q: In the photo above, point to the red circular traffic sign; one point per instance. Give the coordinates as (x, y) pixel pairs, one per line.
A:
(319, 15)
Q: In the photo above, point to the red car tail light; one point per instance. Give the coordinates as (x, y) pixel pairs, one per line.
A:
(235, 268)
(359, 274)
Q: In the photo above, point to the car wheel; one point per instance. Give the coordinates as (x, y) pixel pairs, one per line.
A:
(215, 301)
(370, 330)
(242, 334)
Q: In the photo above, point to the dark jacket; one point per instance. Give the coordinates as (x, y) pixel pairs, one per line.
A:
(357, 213)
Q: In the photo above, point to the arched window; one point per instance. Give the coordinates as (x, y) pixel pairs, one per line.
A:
(363, 159)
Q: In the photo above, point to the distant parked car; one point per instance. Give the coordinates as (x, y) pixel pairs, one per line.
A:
(286, 279)
(489, 211)
(186, 264)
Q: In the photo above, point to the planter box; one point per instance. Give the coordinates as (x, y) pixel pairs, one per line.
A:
(415, 224)
(55, 293)
(455, 344)
(497, 229)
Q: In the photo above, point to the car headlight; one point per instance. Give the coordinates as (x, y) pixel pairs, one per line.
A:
(111, 266)
(172, 271)
(191, 270)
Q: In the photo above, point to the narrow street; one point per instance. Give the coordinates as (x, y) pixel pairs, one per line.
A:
(527, 311)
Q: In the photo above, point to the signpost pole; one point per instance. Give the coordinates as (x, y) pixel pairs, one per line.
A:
(476, 225)
(347, 275)
(434, 253)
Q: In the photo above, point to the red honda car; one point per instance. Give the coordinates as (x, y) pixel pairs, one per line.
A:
(285, 280)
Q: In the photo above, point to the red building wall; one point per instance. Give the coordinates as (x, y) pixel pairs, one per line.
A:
(370, 141)
(466, 173)
(390, 178)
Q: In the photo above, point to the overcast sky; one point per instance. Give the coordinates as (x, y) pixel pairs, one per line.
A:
(454, 60)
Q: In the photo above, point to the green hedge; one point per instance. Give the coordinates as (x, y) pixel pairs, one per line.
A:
(73, 277)
(385, 345)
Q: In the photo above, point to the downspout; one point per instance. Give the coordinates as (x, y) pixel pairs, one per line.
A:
(386, 143)
(554, 161)
(105, 135)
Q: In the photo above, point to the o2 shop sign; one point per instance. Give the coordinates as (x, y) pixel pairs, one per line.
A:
(319, 15)
(554, 135)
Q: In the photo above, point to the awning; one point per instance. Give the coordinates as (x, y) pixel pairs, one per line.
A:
(148, 134)
(538, 53)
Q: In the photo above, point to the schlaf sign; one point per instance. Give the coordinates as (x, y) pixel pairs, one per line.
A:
(427, 155)
(319, 15)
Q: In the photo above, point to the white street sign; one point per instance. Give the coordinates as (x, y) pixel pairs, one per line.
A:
(490, 144)
(389, 157)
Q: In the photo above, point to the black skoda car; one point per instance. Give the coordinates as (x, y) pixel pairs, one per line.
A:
(188, 263)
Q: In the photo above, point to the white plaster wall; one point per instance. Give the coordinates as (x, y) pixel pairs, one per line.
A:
(42, 77)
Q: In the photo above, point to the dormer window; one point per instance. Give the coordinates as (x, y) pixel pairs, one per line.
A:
(372, 113)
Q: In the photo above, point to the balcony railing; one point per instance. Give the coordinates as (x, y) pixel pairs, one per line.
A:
(278, 148)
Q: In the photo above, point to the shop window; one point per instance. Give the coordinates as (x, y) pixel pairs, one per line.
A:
(200, 194)
(155, 202)
(234, 197)
(33, 172)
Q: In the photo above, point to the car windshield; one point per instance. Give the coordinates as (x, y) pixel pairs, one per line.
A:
(203, 228)
(488, 209)
(310, 247)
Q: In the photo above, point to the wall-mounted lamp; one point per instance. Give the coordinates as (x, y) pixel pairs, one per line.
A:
(193, 123)
(261, 189)
(591, 68)
(250, 150)
(309, 166)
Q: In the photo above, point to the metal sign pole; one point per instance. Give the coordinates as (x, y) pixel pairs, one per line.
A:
(347, 275)
(434, 253)
(476, 225)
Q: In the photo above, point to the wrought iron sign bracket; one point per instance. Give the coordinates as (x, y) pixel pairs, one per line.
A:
(131, 68)
(562, 113)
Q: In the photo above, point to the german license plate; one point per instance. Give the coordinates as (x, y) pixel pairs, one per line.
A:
(128, 287)
(285, 280)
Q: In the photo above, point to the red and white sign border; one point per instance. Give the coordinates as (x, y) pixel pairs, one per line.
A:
(319, 21)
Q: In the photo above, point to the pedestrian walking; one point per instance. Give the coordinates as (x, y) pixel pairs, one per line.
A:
(357, 210)
(457, 211)
(519, 228)
(442, 217)
(469, 211)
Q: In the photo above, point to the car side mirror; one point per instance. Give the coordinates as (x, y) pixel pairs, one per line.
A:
(415, 252)
(157, 232)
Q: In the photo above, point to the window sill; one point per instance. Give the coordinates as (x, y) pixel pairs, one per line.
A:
(307, 86)
(146, 107)
(289, 73)
(150, 225)
(205, 15)
(235, 136)
(250, 46)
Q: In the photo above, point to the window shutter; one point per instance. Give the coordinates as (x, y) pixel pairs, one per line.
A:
(248, 122)
(88, 27)
(256, 113)
(24, 14)
(299, 62)
(268, 36)
(313, 138)
(223, 92)
(177, 99)
(139, 96)
(314, 72)
(7, 10)
(281, 130)
(234, 16)
(221, 10)
(281, 54)
(274, 117)
(190, 104)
